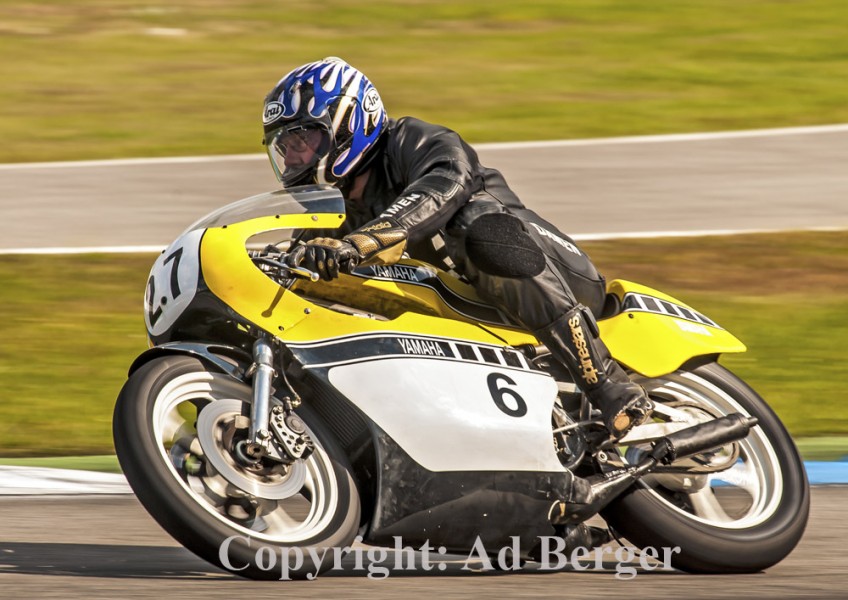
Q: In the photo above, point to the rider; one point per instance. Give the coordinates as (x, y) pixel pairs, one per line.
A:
(415, 187)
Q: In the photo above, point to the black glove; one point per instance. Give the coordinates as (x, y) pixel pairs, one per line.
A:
(325, 256)
(380, 242)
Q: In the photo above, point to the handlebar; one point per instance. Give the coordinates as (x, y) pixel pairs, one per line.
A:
(280, 263)
(306, 273)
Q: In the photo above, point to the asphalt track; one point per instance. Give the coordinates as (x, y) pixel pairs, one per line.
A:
(768, 179)
(107, 547)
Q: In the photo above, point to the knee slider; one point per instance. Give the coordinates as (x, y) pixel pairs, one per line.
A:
(498, 244)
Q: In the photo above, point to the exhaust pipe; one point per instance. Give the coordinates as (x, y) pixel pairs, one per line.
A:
(703, 437)
(594, 493)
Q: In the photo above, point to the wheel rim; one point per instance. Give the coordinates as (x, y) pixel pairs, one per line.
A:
(743, 496)
(279, 507)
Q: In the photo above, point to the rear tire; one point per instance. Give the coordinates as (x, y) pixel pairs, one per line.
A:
(312, 504)
(743, 520)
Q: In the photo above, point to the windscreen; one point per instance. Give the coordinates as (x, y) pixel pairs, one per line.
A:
(298, 200)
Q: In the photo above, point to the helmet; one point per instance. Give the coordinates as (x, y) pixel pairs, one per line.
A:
(320, 122)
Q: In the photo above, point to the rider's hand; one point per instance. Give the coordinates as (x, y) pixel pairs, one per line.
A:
(380, 242)
(325, 256)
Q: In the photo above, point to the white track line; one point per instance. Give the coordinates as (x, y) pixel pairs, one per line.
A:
(86, 250)
(40, 481)
(122, 162)
(672, 137)
(591, 237)
(579, 237)
(638, 139)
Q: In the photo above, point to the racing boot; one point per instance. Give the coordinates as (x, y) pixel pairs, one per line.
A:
(581, 535)
(574, 341)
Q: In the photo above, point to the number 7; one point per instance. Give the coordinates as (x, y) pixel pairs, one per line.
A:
(175, 282)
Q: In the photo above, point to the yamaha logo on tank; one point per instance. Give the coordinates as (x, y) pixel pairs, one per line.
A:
(273, 111)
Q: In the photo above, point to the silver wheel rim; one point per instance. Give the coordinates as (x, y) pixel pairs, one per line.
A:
(745, 495)
(280, 508)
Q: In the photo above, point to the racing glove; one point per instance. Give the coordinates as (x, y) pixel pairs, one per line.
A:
(380, 242)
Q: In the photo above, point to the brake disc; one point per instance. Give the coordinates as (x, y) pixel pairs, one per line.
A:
(209, 432)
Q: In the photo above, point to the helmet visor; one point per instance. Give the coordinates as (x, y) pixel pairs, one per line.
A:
(297, 153)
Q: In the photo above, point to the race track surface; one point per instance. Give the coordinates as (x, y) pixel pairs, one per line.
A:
(108, 547)
(760, 181)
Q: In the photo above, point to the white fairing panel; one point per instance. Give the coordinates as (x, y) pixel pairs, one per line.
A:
(172, 283)
(457, 416)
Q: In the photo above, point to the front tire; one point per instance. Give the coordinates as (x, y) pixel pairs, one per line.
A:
(173, 428)
(741, 520)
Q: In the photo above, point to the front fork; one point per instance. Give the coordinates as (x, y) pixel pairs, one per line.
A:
(274, 432)
(260, 408)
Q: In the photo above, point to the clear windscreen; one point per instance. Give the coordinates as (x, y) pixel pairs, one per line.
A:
(308, 199)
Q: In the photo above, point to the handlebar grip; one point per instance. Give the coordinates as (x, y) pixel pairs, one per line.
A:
(305, 273)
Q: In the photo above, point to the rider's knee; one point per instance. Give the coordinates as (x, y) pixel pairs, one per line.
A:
(498, 243)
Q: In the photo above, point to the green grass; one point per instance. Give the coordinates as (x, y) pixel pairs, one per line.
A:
(823, 448)
(73, 324)
(108, 78)
(105, 464)
(71, 327)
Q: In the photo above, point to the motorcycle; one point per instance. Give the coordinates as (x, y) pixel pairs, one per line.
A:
(275, 410)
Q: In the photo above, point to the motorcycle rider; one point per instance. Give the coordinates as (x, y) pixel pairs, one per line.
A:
(411, 186)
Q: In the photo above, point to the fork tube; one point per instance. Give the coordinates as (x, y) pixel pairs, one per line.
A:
(263, 356)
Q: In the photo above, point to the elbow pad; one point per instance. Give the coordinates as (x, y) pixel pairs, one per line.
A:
(380, 242)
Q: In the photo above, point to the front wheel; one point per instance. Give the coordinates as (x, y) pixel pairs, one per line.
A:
(176, 430)
(743, 519)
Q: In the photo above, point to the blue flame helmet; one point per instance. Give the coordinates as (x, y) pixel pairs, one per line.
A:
(320, 122)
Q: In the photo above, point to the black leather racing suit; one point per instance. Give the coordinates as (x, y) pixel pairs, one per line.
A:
(429, 180)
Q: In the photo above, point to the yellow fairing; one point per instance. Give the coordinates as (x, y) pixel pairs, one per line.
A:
(654, 344)
(231, 275)
(648, 342)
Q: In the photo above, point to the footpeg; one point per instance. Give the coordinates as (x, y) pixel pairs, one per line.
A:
(632, 415)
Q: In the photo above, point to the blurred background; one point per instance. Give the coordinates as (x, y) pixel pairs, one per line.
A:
(89, 79)
(106, 79)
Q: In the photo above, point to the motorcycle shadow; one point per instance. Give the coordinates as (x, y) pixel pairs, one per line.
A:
(105, 560)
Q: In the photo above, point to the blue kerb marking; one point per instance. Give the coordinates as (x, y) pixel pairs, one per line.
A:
(824, 473)
(818, 472)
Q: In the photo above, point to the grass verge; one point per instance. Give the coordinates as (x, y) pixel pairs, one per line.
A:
(104, 464)
(74, 324)
(118, 78)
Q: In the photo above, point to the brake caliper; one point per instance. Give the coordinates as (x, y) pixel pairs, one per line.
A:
(290, 432)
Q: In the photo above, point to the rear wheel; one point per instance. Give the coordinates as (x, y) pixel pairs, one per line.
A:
(742, 519)
(177, 439)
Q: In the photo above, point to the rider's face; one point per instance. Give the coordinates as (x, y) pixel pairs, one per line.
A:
(300, 146)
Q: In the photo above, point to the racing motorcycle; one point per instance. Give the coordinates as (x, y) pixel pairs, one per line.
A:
(276, 410)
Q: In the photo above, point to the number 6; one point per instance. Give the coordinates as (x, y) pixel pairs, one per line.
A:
(498, 394)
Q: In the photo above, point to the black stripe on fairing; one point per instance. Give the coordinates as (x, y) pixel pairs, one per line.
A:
(634, 302)
(468, 308)
(359, 349)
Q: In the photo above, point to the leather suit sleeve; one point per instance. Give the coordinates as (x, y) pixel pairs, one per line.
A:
(438, 171)
(380, 242)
